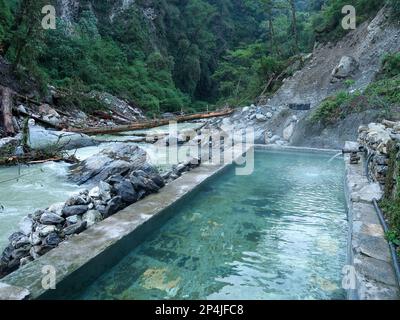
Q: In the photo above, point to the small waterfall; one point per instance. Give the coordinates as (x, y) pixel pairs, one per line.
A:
(334, 157)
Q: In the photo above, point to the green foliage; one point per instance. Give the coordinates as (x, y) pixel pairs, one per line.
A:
(331, 109)
(211, 51)
(391, 202)
(391, 65)
(328, 22)
(5, 19)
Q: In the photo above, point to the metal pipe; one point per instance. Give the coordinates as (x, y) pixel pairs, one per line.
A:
(391, 246)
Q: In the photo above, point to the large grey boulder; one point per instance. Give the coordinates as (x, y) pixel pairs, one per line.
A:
(40, 138)
(346, 67)
(117, 159)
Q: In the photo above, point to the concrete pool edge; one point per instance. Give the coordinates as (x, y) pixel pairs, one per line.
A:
(77, 252)
(369, 274)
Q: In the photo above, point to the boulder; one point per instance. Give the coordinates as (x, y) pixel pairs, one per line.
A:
(92, 217)
(74, 210)
(261, 118)
(25, 226)
(126, 191)
(288, 131)
(73, 219)
(113, 207)
(40, 138)
(44, 231)
(117, 159)
(52, 240)
(57, 208)
(75, 228)
(346, 67)
(49, 218)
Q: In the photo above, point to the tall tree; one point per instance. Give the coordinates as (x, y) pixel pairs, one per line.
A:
(26, 33)
(292, 5)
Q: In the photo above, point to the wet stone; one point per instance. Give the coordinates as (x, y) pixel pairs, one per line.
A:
(52, 240)
(75, 228)
(49, 218)
(74, 210)
(126, 191)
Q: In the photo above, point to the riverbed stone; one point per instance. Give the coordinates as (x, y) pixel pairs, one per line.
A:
(75, 228)
(40, 138)
(50, 218)
(26, 225)
(126, 191)
(52, 240)
(21, 252)
(57, 208)
(116, 159)
(92, 217)
(74, 210)
(44, 231)
(15, 237)
(21, 242)
(94, 192)
(76, 201)
(137, 182)
(113, 206)
(105, 190)
(73, 219)
(35, 239)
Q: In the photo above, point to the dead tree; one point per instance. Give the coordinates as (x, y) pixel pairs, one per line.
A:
(6, 111)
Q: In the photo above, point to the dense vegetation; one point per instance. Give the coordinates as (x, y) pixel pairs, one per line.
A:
(391, 202)
(168, 55)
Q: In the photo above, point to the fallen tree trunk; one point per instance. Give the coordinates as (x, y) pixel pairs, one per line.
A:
(150, 124)
(6, 108)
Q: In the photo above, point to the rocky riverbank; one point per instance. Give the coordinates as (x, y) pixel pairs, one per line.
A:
(118, 177)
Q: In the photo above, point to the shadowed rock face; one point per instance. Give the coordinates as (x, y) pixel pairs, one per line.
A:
(117, 159)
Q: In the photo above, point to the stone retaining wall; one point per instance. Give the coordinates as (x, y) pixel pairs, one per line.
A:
(379, 139)
(371, 275)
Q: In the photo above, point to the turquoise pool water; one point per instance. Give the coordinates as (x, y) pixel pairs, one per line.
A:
(277, 234)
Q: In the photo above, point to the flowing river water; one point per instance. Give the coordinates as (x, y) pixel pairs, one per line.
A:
(25, 189)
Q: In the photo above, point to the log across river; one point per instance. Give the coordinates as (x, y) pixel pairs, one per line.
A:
(150, 124)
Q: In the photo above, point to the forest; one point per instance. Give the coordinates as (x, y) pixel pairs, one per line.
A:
(166, 56)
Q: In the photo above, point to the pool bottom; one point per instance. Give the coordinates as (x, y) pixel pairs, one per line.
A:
(277, 234)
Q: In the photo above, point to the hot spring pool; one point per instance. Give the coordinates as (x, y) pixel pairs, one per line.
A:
(280, 233)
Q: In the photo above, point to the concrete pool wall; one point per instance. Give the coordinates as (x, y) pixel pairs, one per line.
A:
(90, 253)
